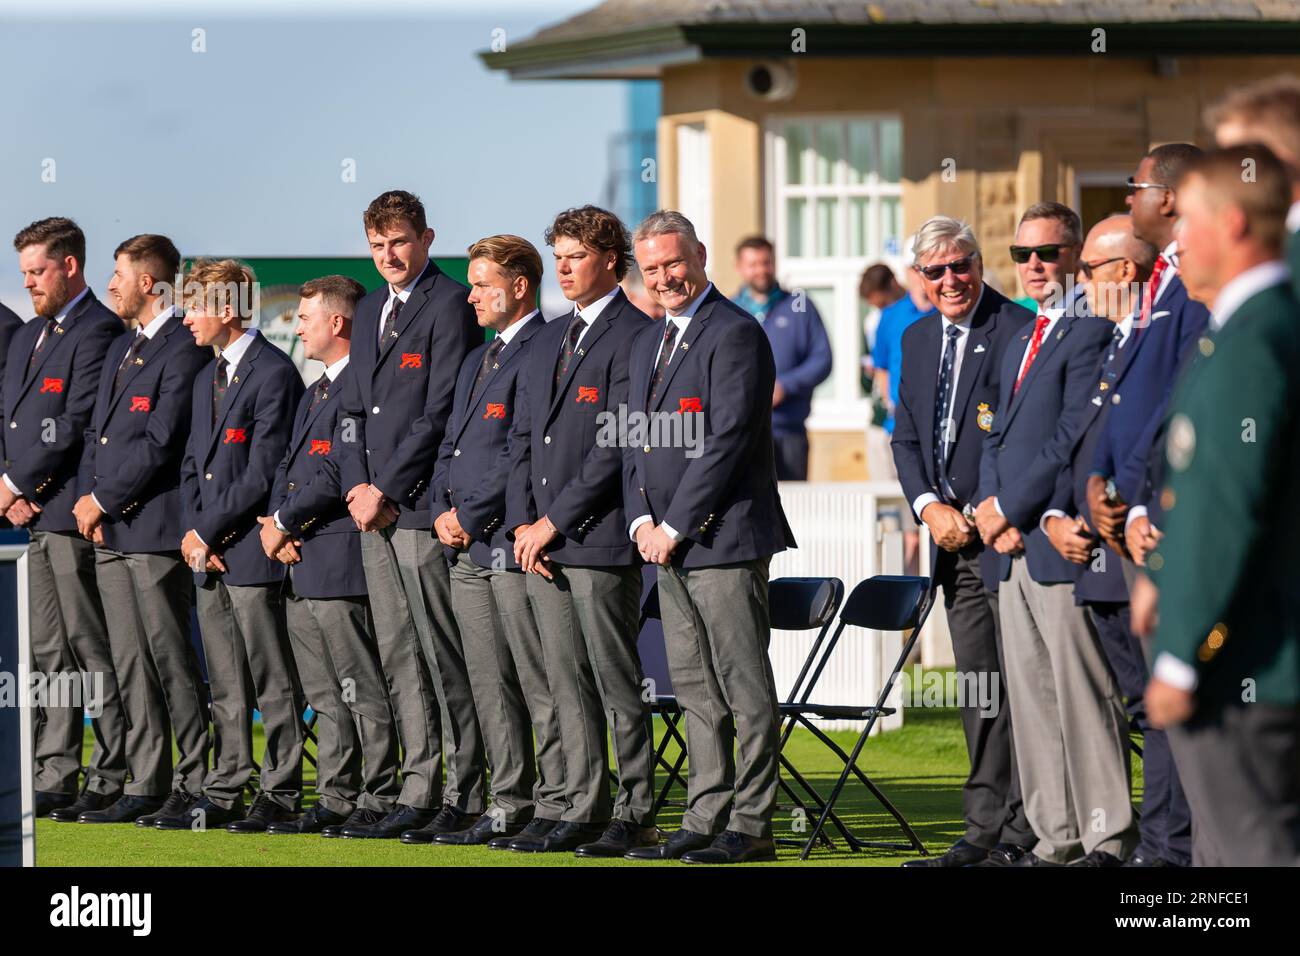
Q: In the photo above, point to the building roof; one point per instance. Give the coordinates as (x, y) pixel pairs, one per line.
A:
(637, 38)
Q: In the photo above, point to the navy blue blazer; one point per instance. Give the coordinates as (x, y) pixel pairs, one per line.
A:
(310, 502)
(137, 436)
(1101, 579)
(229, 469)
(9, 324)
(53, 400)
(1034, 432)
(557, 467)
(1143, 390)
(995, 321)
(473, 466)
(721, 494)
(396, 410)
(802, 352)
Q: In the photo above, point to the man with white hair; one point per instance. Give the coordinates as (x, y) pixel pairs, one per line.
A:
(711, 518)
(947, 402)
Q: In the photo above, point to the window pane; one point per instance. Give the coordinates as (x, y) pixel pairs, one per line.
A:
(859, 240)
(862, 150)
(796, 140)
(794, 209)
(891, 150)
(826, 227)
(828, 152)
(891, 226)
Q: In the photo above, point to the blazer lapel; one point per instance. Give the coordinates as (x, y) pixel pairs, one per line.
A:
(1048, 346)
(151, 348)
(972, 360)
(693, 332)
(243, 371)
(592, 336)
(56, 338)
(509, 353)
(414, 303)
(931, 356)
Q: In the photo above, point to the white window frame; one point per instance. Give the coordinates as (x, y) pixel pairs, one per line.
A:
(845, 408)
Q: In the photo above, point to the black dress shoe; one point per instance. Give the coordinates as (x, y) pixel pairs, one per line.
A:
(48, 800)
(313, 821)
(263, 813)
(83, 804)
(447, 820)
(1033, 859)
(1004, 854)
(1144, 859)
(619, 837)
(1098, 858)
(566, 836)
(488, 827)
(126, 809)
(960, 853)
(203, 815)
(730, 846)
(683, 841)
(359, 818)
(398, 820)
(538, 828)
(177, 803)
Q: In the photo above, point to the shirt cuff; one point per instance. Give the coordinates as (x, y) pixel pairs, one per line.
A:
(1137, 511)
(1049, 513)
(631, 531)
(998, 507)
(1175, 672)
(668, 530)
(921, 501)
(97, 503)
(278, 526)
(12, 487)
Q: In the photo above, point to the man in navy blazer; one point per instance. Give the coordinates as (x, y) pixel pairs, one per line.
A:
(9, 324)
(242, 412)
(309, 530)
(947, 402)
(51, 375)
(130, 508)
(409, 339)
(489, 594)
(1167, 328)
(702, 503)
(1070, 729)
(1115, 261)
(564, 507)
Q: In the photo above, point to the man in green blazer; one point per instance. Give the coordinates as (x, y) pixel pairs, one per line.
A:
(1226, 674)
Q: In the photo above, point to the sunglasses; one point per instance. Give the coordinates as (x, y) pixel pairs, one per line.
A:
(1086, 268)
(1048, 253)
(1133, 187)
(959, 267)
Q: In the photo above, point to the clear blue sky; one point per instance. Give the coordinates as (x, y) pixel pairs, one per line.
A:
(239, 150)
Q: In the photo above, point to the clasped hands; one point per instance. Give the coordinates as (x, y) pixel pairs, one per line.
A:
(997, 531)
(279, 545)
(370, 508)
(16, 508)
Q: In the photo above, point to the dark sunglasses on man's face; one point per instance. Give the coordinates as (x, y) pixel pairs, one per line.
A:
(959, 267)
(1048, 253)
(1088, 268)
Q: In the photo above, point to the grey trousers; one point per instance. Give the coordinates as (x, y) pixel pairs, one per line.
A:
(716, 633)
(1240, 768)
(1071, 732)
(338, 666)
(424, 664)
(588, 619)
(70, 646)
(504, 656)
(250, 664)
(148, 597)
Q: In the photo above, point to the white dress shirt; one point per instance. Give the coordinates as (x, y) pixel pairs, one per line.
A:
(590, 313)
(58, 320)
(402, 294)
(682, 320)
(511, 330)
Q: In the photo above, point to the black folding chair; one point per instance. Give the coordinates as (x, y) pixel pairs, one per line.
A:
(665, 707)
(881, 603)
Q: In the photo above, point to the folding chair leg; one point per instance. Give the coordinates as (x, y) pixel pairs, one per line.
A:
(799, 804)
(674, 769)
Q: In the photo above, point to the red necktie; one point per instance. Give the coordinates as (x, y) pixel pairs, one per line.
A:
(1149, 295)
(1040, 330)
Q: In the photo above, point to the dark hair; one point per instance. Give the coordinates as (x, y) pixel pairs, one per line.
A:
(339, 293)
(877, 278)
(1062, 214)
(156, 255)
(392, 209)
(761, 243)
(1264, 197)
(515, 255)
(596, 229)
(1169, 161)
(61, 238)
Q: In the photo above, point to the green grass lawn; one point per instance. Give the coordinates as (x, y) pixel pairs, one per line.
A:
(920, 767)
